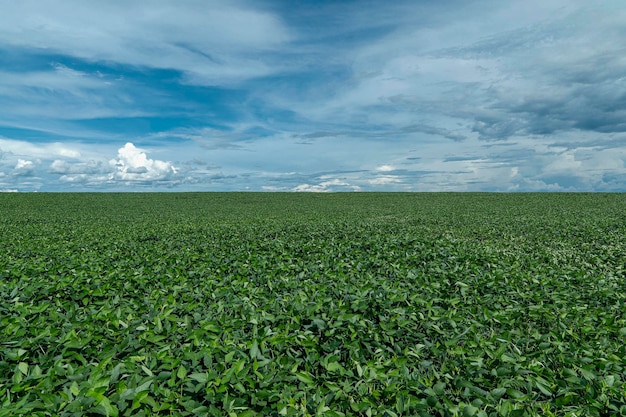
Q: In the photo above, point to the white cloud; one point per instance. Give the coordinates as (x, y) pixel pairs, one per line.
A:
(132, 164)
(10, 149)
(86, 165)
(310, 188)
(63, 167)
(564, 163)
(326, 185)
(69, 153)
(24, 168)
(385, 180)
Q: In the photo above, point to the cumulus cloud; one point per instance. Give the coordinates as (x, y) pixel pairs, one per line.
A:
(24, 168)
(326, 185)
(133, 164)
(319, 188)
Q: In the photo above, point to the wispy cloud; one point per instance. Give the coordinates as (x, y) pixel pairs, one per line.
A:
(209, 41)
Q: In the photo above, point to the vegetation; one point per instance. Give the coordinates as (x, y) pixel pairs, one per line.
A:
(360, 304)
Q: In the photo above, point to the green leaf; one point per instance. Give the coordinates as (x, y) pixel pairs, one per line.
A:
(333, 366)
(321, 408)
(182, 372)
(544, 389)
(115, 373)
(507, 358)
(36, 372)
(588, 374)
(147, 371)
(515, 394)
(23, 367)
(144, 387)
(609, 380)
(254, 351)
(359, 370)
(74, 388)
(401, 406)
(305, 377)
(229, 356)
(199, 376)
(439, 388)
(469, 411)
(109, 409)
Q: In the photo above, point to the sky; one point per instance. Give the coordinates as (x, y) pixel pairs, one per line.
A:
(325, 96)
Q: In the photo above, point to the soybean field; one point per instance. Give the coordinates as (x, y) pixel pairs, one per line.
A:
(304, 304)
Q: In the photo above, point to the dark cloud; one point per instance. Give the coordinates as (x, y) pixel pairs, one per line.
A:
(613, 181)
(597, 108)
(459, 158)
(386, 132)
(432, 130)
(559, 75)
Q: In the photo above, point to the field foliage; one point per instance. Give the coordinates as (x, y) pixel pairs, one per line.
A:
(246, 304)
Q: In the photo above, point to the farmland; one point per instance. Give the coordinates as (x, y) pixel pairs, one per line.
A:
(269, 304)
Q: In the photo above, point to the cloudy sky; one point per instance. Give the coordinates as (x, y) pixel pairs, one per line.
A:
(419, 95)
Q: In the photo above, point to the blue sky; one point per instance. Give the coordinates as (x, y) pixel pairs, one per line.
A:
(446, 95)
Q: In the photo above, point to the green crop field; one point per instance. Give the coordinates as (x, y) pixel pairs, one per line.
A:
(356, 304)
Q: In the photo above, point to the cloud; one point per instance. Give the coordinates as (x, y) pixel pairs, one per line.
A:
(212, 42)
(541, 69)
(562, 74)
(326, 184)
(86, 166)
(385, 180)
(319, 188)
(10, 149)
(385, 168)
(435, 131)
(209, 138)
(45, 98)
(56, 78)
(24, 168)
(64, 167)
(133, 165)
